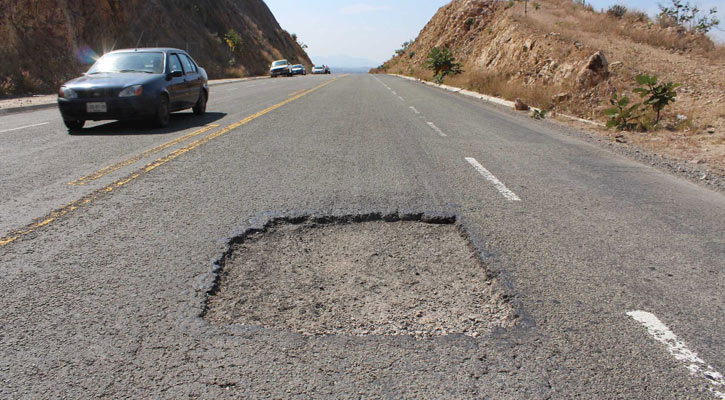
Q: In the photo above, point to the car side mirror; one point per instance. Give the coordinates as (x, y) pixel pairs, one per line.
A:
(176, 74)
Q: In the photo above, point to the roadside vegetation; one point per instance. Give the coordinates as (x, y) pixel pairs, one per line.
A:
(646, 115)
(442, 63)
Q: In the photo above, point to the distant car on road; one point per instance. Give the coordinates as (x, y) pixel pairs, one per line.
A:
(135, 83)
(318, 69)
(299, 69)
(280, 67)
(327, 69)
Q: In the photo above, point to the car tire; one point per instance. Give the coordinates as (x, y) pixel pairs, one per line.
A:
(200, 106)
(163, 114)
(74, 125)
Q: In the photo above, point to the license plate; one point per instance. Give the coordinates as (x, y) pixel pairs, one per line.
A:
(96, 107)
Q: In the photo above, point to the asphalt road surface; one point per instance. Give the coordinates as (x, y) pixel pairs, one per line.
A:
(616, 269)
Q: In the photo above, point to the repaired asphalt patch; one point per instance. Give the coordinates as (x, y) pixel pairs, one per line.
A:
(327, 277)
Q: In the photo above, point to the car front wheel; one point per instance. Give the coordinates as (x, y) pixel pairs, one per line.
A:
(74, 125)
(200, 106)
(161, 120)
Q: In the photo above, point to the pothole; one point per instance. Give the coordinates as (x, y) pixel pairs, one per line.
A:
(327, 276)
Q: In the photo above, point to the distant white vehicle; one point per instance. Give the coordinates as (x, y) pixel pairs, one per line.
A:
(318, 69)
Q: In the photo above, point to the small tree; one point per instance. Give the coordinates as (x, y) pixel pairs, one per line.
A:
(442, 63)
(658, 96)
(622, 115)
(689, 16)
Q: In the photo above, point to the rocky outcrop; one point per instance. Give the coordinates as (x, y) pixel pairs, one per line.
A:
(519, 105)
(595, 71)
(44, 42)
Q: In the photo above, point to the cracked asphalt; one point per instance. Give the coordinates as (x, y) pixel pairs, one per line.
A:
(104, 299)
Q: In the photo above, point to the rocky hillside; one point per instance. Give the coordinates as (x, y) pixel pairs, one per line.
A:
(44, 42)
(567, 57)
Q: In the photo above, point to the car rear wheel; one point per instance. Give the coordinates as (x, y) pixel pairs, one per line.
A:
(161, 120)
(200, 106)
(74, 125)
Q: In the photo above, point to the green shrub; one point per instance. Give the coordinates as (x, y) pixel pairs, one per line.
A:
(658, 96)
(617, 11)
(442, 63)
(404, 47)
(233, 40)
(622, 115)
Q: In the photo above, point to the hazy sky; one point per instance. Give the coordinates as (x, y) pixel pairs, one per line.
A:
(373, 29)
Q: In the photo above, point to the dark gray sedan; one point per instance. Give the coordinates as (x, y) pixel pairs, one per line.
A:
(134, 84)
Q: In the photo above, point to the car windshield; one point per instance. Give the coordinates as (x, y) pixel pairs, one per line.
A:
(151, 63)
(278, 63)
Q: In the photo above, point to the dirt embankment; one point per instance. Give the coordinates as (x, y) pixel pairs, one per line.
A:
(541, 57)
(44, 42)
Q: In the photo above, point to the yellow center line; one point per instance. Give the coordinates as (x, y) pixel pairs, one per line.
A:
(87, 199)
(111, 168)
(297, 92)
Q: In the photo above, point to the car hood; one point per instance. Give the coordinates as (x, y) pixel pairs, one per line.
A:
(116, 80)
(280, 67)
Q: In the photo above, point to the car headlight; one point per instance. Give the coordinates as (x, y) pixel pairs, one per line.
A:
(131, 91)
(67, 93)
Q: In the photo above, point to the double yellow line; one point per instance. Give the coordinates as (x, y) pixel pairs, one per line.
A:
(87, 199)
(132, 160)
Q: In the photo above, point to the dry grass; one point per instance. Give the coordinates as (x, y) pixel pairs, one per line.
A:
(502, 85)
(572, 20)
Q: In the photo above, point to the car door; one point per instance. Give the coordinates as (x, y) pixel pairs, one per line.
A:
(176, 85)
(193, 79)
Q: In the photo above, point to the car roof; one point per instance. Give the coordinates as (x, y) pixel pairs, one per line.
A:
(149, 49)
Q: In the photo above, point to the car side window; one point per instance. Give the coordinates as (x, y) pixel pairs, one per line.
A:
(189, 65)
(174, 63)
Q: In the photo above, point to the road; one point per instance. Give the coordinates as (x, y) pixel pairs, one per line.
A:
(108, 236)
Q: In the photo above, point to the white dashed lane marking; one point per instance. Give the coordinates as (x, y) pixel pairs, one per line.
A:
(679, 350)
(23, 127)
(437, 129)
(491, 178)
(414, 110)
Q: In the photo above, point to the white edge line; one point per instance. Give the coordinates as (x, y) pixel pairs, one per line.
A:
(491, 99)
(23, 127)
(437, 129)
(679, 350)
(491, 178)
